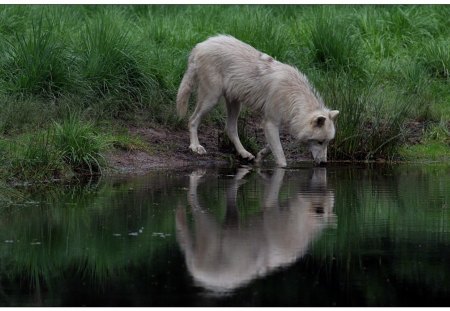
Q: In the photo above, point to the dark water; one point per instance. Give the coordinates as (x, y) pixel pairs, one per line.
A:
(340, 236)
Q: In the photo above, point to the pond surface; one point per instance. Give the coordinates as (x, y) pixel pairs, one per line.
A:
(335, 236)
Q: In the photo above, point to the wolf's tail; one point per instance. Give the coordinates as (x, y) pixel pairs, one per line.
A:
(185, 89)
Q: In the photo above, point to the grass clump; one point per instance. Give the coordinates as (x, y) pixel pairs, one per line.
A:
(107, 65)
(36, 63)
(112, 67)
(371, 120)
(79, 145)
(67, 147)
(435, 57)
(439, 132)
(333, 46)
(24, 114)
(34, 157)
(435, 145)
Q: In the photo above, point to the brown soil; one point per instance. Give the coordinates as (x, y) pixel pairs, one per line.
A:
(170, 149)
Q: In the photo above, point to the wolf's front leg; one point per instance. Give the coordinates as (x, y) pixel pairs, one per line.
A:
(272, 133)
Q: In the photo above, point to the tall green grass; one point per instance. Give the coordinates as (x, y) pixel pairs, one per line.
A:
(36, 63)
(80, 145)
(436, 58)
(110, 63)
(380, 65)
(67, 147)
(333, 43)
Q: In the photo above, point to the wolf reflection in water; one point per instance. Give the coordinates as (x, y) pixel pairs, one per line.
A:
(224, 256)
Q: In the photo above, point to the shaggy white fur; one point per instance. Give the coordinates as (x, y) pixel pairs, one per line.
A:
(225, 66)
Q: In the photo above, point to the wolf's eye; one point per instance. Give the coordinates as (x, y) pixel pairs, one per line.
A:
(320, 142)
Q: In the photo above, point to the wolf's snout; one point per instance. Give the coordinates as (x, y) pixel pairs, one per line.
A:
(319, 153)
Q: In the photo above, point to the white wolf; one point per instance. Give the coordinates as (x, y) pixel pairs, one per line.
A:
(225, 66)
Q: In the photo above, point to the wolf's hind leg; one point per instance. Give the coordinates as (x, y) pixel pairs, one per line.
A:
(206, 100)
(233, 109)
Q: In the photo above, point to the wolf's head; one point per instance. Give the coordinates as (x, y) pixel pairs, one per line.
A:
(317, 129)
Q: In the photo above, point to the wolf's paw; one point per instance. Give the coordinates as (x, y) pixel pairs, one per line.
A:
(197, 149)
(247, 155)
(246, 158)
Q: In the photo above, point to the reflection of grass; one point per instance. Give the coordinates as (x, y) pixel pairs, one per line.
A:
(9, 195)
(75, 226)
(389, 233)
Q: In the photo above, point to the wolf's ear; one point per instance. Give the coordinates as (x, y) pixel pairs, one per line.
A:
(334, 114)
(320, 121)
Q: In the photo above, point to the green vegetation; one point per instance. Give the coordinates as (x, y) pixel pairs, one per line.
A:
(64, 219)
(382, 66)
(434, 146)
(68, 147)
(65, 149)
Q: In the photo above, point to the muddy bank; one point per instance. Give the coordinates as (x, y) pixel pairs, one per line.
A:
(170, 149)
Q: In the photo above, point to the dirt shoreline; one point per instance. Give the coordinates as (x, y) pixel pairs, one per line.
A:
(170, 149)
